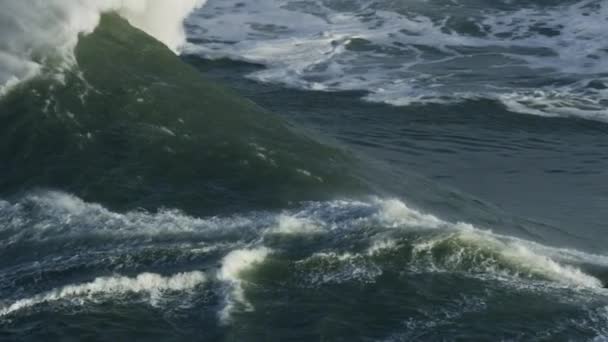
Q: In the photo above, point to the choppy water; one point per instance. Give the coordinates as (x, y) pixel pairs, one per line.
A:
(382, 171)
(544, 58)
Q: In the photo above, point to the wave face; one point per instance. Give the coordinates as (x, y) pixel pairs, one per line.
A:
(32, 43)
(140, 200)
(545, 59)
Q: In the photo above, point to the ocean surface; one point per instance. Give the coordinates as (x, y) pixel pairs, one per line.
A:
(304, 170)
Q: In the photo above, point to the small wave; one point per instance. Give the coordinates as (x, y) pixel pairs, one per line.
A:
(336, 268)
(464, 248)
(461, 246)
(231, 272)
(438, 317)
(575, 100)
(145, 283)
(56, 215)
(293, 225)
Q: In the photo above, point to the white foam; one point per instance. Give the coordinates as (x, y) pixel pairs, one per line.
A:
(54, 215)
(380, 246)
(413, 54)
(41, 34)
(48, 215)
(496, 255)
(293, 225)
(146, 283)
(233, 266)
(460, 248)
(333, 267)
(395, 213)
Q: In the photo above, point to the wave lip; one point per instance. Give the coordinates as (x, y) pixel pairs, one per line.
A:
(145, 283)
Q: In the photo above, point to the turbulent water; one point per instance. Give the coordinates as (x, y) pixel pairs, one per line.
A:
(304, 170)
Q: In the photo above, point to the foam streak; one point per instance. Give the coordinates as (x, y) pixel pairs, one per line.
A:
(145, 283)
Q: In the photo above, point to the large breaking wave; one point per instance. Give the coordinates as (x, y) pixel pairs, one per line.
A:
(42, 34)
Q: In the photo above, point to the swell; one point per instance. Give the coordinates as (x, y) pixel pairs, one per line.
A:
(151, 132)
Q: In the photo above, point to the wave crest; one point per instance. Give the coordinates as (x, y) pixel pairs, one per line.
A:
(39, 35)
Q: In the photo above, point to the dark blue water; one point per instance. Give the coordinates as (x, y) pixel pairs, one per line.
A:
(313, 170)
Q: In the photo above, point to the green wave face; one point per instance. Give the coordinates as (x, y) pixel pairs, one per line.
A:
(133, 126)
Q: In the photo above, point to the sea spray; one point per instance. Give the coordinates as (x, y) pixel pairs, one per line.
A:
(151, 284)
(31, 43)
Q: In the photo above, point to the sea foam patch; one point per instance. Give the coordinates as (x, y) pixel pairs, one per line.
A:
(535, 59)
(231, 272)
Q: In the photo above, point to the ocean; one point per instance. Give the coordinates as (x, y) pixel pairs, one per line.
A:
(303, 170)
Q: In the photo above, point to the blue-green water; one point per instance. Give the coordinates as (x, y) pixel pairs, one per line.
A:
(310, 170)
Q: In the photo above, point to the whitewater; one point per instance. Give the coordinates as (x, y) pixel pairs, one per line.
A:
(534, 59)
